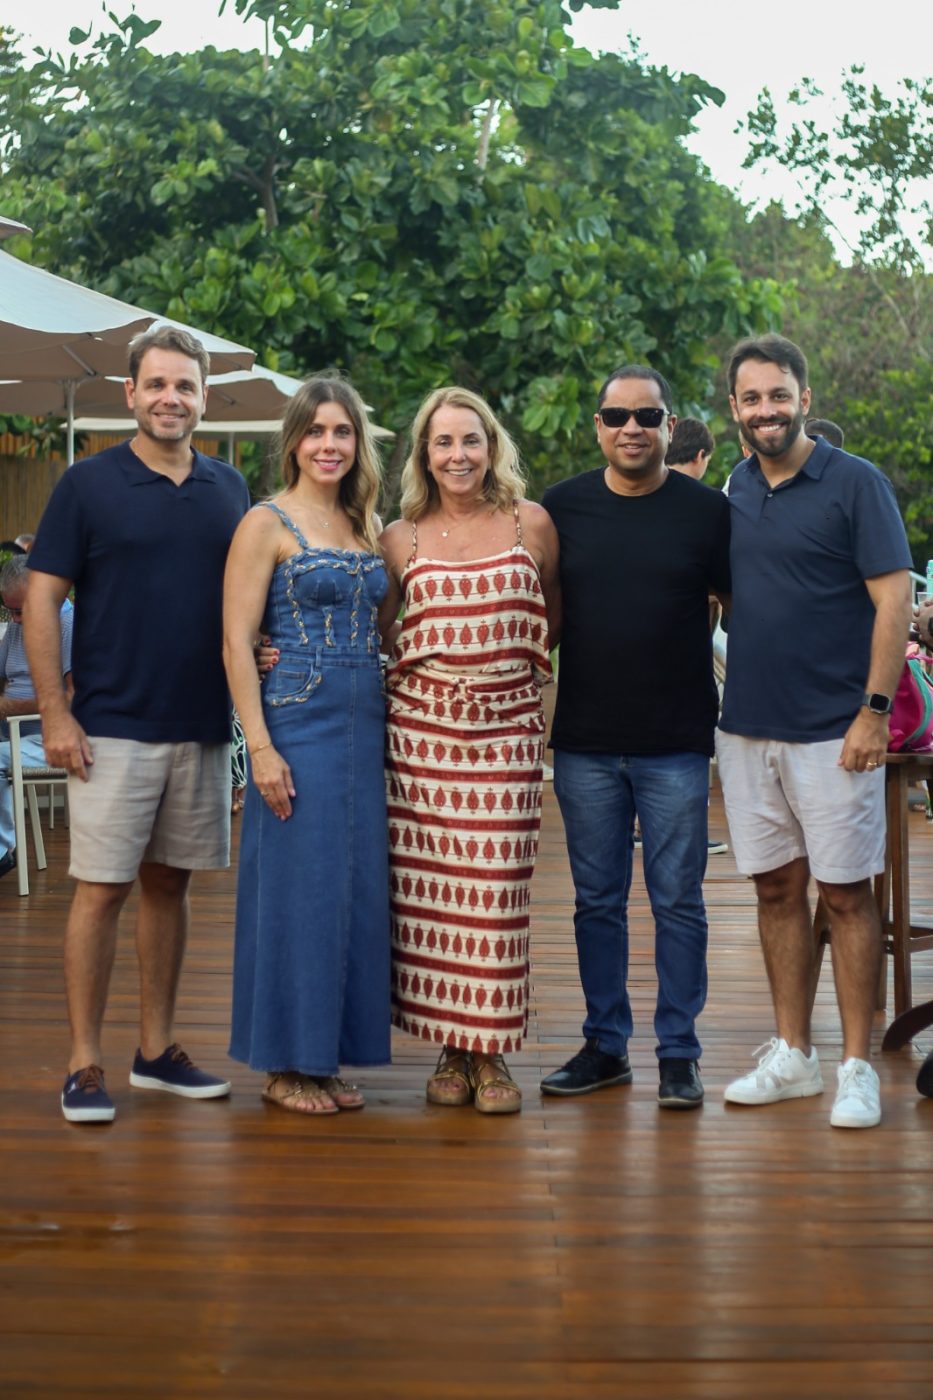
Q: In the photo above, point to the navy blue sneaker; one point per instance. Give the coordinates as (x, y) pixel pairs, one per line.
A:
(680, 1085)
(174, 1072)
(84, 1098)
(589, 1069)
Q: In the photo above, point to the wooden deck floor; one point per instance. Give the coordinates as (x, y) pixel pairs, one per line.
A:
(595, 1248)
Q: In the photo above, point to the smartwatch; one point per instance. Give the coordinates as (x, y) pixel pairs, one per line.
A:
(878, 704)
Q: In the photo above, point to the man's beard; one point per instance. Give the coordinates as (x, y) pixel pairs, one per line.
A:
(775, 445)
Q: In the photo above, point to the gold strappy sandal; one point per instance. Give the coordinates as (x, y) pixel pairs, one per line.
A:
(450, 1083)
(492, 1073)
(343, 1094)
(298, 1094)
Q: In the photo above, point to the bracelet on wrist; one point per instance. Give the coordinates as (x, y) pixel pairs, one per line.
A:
(259, 748)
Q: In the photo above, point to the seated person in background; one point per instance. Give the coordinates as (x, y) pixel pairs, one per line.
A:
(825, 428)
(18, 697)
(691, 447)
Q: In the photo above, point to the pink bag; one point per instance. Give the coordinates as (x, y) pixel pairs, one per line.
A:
(912, 715)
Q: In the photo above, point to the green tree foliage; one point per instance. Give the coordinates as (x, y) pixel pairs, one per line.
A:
(418, 191)
(875, 152)
(890, 425)
(866, 326)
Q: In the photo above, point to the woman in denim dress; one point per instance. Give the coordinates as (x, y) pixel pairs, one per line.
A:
(311, 963)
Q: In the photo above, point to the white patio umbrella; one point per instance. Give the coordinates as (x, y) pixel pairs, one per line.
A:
(9, 227)
(242, 403)
(59, 334)
(257, 393)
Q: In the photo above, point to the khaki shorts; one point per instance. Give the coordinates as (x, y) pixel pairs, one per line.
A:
(165, 803)
(784, 801)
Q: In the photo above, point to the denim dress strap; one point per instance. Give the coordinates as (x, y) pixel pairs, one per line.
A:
(287, 522)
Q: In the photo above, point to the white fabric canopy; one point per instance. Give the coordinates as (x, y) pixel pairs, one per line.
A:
(242, 394)
(61, 334)
(9, 227)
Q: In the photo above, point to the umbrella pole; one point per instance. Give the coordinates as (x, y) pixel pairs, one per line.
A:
(70, 405)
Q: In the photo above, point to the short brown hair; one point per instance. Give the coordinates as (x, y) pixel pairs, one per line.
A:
(690, 437)
(773, 349)
(168, 337)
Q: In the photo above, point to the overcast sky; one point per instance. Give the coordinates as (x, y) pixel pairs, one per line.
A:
(737, 47)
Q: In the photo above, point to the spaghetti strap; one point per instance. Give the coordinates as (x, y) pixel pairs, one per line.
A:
(288, 522)
(518, 525)
(414, 542)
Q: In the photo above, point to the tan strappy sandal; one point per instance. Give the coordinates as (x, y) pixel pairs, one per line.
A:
(296, 1093)
(491, 1073)
(343, 1094)
(450, 1083)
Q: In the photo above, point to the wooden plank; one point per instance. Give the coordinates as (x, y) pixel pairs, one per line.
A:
(593, 1247)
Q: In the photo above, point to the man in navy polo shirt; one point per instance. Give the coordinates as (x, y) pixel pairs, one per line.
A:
(141, 531)
(821, 608)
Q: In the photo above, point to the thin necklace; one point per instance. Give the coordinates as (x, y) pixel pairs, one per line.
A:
(322, 519)
(466, 520)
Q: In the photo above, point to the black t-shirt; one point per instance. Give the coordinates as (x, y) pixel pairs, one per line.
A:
(636, 667)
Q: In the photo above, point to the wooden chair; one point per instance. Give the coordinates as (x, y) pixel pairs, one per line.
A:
(901, 937)
(25, 781)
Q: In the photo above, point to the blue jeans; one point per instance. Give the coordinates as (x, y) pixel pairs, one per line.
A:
(600, 795)
(33, 757)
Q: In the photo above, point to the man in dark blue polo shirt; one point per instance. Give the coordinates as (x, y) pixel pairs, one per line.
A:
(821, 608)
(141, 531)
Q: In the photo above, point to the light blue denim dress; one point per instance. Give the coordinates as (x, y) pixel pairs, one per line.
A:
(311, 963)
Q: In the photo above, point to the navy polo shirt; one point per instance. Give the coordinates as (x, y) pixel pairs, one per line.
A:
(801, 622)
(147, 561)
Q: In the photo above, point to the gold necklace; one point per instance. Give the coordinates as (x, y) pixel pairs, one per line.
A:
(466, 520)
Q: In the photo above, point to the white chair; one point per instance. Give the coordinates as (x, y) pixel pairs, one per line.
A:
(25, 781)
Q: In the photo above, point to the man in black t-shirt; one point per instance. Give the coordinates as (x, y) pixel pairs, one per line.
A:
(642, 548)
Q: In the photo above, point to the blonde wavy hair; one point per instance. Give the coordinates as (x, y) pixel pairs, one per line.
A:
(359, 489)
(504, 483)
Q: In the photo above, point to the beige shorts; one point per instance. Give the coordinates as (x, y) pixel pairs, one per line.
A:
(165, 803)
(784, 801)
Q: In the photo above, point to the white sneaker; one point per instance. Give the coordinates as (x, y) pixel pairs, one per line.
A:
(783, 1073)
(858, 1098)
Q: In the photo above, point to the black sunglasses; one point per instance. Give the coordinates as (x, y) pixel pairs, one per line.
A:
(644, 417)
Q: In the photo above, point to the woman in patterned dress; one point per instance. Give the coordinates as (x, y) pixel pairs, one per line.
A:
(311, 960)
(476, 567)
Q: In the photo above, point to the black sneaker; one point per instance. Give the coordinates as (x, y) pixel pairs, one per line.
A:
(7, 862)
(591, 1068)
(925, 1077)
(84, 1098)
(680, 1084)
(174, 1072)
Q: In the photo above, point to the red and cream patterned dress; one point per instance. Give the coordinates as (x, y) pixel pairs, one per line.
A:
(463, 770)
